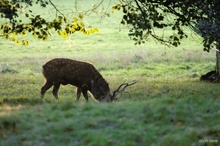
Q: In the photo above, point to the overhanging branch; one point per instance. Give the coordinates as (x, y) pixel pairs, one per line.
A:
(57, 10)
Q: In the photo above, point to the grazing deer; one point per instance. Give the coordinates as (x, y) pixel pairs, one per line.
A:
(83, 75)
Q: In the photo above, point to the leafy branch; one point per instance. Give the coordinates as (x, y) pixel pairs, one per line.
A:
(36, 25)
(142, 17)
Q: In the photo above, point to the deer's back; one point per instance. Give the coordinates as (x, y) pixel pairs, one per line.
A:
(69, 70)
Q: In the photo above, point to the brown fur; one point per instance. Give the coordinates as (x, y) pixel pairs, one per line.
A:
(83, 75)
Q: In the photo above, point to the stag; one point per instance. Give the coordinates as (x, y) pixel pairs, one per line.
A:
(83, 75)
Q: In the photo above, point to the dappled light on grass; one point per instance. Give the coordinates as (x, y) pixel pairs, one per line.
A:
(7, 109)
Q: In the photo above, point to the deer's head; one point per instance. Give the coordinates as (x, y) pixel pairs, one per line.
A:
(111, 96)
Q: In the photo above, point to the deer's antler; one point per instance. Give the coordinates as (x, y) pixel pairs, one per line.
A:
(122, 87)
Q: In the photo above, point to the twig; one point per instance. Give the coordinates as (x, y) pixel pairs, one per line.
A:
(56, 8)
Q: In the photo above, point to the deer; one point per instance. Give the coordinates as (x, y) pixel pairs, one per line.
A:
(83, 75)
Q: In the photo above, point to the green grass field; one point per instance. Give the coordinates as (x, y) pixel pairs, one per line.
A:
(168, 106)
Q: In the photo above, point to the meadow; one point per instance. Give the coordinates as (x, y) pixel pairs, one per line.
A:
(168, 106)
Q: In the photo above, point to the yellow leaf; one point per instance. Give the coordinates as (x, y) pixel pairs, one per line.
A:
(45, 39)
(24, 42)
(86, 32)
(82, 30)
(63, 34)
(116, 7)
(60, 33)
(75, 19)
(34, 34)
(23, 33)
(13, 39)
(82, 24)
(73, 29)
(18, 43)
(81, 16)
(13, 34)
(95, 30)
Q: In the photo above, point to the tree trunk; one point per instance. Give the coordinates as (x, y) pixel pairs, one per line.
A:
(214, 76)
(218, 58)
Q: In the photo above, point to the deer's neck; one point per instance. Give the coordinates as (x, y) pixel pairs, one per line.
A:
(100, 87)
(102, 83)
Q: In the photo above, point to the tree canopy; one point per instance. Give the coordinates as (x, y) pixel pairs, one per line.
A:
(142, 16)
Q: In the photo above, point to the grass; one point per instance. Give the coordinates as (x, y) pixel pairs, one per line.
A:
(159, 121)
(168, 106)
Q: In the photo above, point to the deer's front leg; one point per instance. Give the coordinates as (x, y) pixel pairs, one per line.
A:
(78, 93)
(84, 91)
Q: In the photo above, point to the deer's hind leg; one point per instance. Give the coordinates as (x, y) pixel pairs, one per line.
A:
(56, 87)
(46, 86)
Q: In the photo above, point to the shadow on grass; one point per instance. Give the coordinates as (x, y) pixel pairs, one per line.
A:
(17, 101)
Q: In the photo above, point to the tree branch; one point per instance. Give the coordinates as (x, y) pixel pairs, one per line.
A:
(139, 7)
(56, 8)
